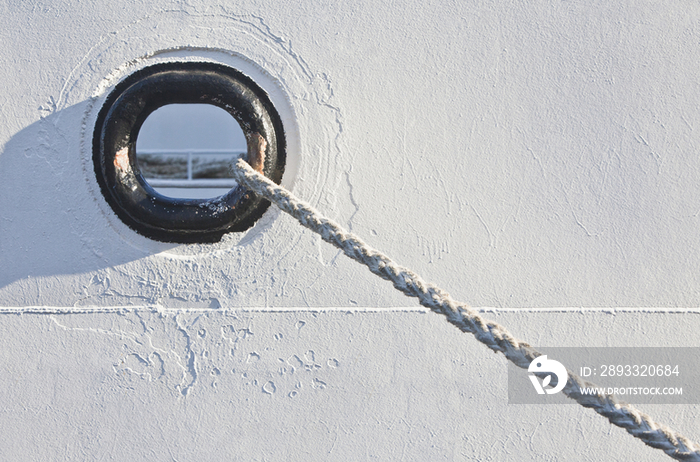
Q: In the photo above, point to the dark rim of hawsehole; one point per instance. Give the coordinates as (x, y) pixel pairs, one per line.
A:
(134, 201)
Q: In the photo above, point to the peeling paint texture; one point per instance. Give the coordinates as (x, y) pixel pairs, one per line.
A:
(523, 156)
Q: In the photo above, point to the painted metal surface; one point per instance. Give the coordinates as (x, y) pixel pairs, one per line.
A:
(522, 156)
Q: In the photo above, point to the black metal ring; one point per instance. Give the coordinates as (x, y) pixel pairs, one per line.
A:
(134, 201)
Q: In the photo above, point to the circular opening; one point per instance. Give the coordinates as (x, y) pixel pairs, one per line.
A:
(128, 184)
(186, 150)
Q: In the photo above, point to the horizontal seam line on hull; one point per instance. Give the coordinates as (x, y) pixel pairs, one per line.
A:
(352, 309)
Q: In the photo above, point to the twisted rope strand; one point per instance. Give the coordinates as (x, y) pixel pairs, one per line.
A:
(490, 333)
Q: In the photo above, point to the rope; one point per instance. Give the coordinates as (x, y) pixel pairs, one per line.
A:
(491, 334)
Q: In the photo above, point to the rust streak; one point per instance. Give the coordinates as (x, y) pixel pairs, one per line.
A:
(121, 160)
(257, 145)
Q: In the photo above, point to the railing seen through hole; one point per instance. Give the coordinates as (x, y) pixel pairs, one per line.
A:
(193, 173)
